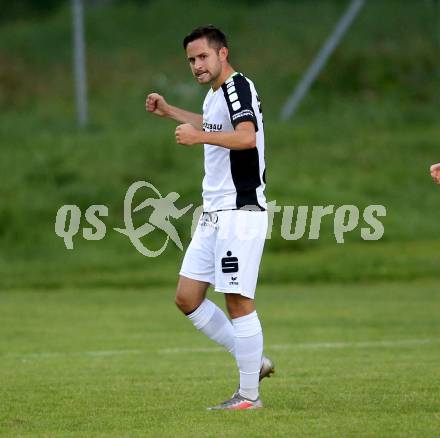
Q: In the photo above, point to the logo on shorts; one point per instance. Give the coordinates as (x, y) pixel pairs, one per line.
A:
(229, 264)
(233, 281)
(209, 220)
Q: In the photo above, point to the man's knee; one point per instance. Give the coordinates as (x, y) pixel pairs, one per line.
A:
(182, 302)
(238, 305)
(189, 295)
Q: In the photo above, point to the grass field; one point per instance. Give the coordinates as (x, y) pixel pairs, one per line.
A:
(352, 360)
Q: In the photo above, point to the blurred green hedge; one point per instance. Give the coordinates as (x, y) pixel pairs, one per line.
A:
(16, 9)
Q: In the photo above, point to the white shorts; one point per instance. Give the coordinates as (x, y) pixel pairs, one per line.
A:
(226, 250)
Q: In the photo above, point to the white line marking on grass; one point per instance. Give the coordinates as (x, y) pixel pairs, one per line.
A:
(177, 350)
(192, 350)
(46, 355)
(312, 345)
(362, 344)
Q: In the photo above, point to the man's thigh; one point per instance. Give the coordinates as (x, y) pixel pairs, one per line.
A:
(198, 262)
(239, 246)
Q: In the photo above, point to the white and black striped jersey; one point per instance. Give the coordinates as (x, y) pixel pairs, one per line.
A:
(233, 178)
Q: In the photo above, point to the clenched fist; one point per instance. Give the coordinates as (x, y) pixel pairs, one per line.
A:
(186, 134)
(156, 104)
(435, 172)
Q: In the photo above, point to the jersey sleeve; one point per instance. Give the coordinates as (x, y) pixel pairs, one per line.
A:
(238, 96)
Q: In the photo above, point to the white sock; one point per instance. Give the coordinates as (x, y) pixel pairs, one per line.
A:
(212, 321)
(248, 352)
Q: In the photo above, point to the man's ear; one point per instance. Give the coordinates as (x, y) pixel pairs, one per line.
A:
(223, 53)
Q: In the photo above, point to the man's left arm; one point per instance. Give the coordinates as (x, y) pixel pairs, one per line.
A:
(243, 136)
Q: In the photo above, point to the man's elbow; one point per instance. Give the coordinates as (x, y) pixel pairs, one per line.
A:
(250, 141)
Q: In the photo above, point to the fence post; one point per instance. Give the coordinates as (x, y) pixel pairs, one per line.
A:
(79, 61)
(321, 59)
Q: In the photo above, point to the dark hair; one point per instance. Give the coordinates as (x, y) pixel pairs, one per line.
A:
(214, 36)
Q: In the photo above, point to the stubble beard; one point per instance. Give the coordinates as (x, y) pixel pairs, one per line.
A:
(211, 78)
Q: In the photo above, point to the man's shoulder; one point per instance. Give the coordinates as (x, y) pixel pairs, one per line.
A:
(207, 99)
(243, 80)
(240, 96)
(239, 84)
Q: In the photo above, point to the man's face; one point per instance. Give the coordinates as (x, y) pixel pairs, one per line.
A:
(205, 61)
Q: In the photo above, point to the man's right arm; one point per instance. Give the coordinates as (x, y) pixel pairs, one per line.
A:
(156, 104)
(435, 172)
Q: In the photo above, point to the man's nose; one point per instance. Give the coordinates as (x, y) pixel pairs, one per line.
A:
(198, 65)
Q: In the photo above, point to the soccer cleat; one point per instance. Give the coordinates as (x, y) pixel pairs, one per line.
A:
(237, 403)
(267, 368)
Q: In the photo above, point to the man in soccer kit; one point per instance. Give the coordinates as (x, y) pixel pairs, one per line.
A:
(227, 245)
